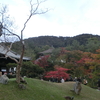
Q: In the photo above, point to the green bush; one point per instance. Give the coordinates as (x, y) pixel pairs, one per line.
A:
(31, 70)
(11, 65)
(11, 76)
(92, 81)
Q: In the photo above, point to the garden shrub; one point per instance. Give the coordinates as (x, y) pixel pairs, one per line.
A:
(31, 70)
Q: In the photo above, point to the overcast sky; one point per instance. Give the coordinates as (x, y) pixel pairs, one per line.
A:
(66, 17)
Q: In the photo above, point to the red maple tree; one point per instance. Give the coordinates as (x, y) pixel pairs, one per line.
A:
(42, 61)
(60, 73)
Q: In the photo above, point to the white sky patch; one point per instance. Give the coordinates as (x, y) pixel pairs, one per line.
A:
(66, 17)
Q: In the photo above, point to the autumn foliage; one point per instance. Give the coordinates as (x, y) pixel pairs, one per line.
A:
(59, 72)
(42, 61)
(84, 64)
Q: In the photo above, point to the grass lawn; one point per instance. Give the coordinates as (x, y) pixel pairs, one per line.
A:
(44, 90)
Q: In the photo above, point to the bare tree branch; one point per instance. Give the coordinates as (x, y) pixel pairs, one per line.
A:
(14, 59)
(34, 9)
(33, 12)
(8, 49)
(11, 33)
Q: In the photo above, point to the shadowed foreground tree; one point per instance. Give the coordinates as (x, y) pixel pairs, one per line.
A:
(6, 32)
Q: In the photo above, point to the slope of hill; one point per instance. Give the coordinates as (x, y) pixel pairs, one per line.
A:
(44, 90)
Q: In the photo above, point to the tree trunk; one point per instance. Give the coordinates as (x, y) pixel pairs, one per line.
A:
(18, 73)
(18, 69)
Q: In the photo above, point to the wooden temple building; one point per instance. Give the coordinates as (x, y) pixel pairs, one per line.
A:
(5, 60)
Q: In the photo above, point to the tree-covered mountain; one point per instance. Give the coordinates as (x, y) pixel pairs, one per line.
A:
(59, 41)
(83, 42)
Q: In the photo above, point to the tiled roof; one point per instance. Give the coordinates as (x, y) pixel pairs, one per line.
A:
(47, 51)
(13, 54)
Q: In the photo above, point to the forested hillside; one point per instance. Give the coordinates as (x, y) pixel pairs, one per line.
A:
(80, 54)
(83, 42)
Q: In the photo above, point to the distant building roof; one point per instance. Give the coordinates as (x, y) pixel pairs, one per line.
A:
(47, 51)
(10, 53)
